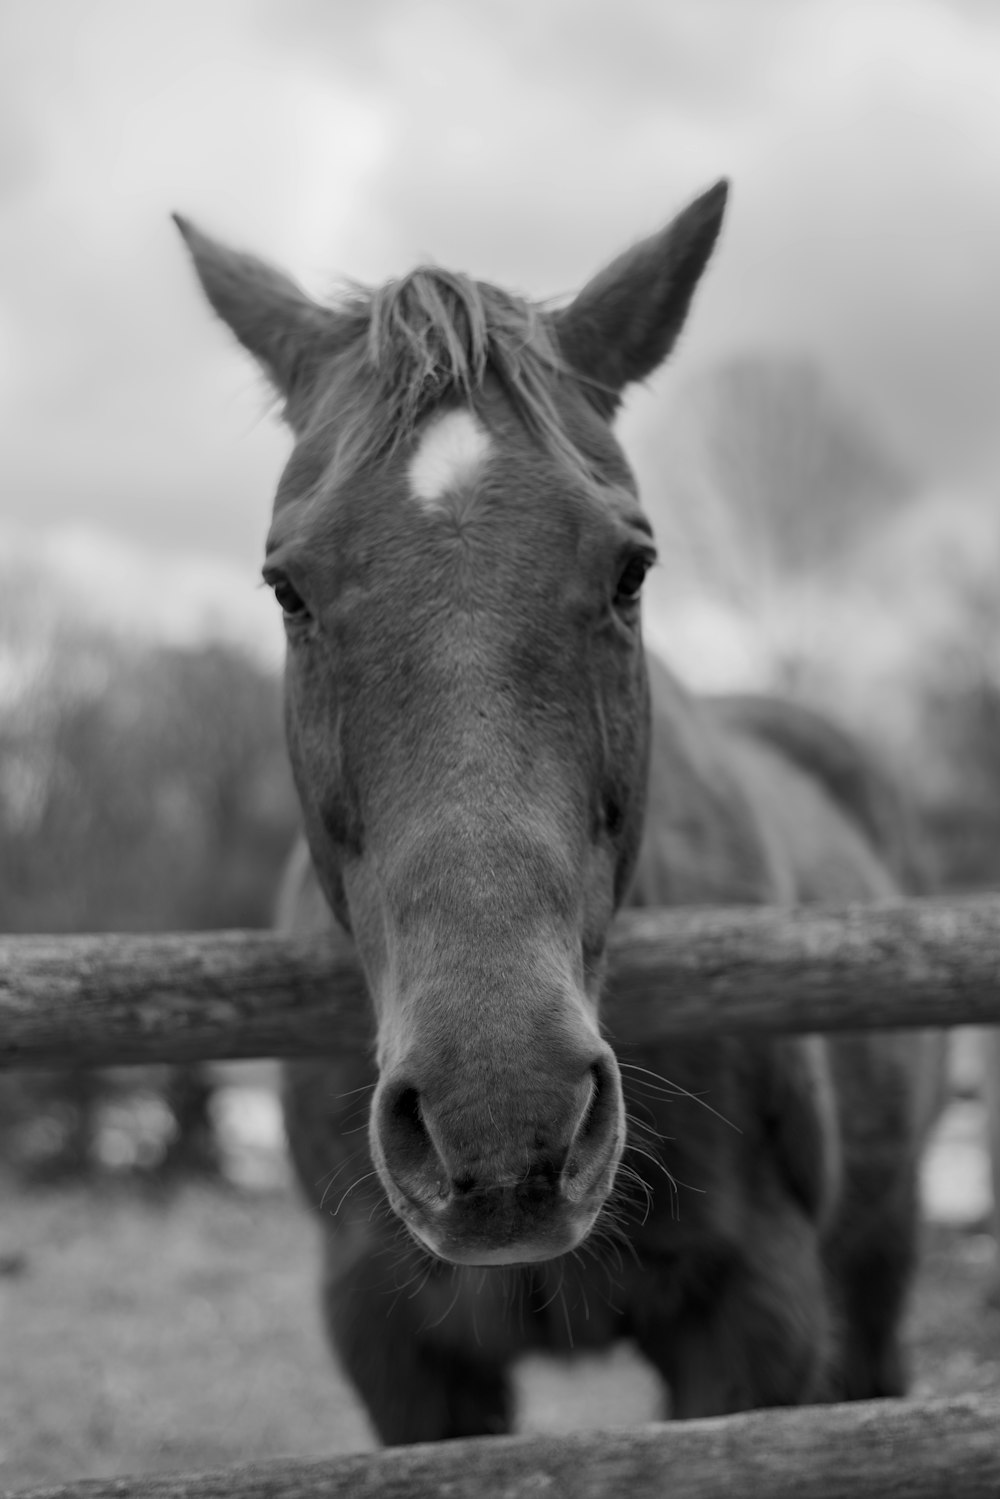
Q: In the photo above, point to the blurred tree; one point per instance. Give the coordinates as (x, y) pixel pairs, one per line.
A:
(141, 788)
(764, 484)
(961, 725)
(798, 468)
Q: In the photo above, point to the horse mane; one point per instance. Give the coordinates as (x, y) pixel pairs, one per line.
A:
(432, 337)
(851, 773)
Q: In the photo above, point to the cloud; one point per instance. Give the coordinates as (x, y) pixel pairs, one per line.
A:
(527, 143)
(868, 233)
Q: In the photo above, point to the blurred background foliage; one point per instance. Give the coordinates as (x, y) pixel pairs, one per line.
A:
(143, 787)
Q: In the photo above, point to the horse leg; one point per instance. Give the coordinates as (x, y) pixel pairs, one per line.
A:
(871, 1278)
(760, 1337)
(417, 1386)
(873, 1290)
(872, 1240)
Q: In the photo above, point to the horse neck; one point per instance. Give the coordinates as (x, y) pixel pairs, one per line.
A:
(703, 842)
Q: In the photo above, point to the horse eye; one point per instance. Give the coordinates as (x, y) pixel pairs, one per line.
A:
(632, 577)
(291, 603)
(614, 817)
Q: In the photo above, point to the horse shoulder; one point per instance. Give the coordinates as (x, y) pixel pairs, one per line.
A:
(861, 788)
(704, 842)
(713, 836)
(821, 852)
(847, 833)
(797, 1102)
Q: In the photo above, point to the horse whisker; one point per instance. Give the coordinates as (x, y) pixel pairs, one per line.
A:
(674, 1090)
(367, 1177)
(351, 1092)
(429, 1326)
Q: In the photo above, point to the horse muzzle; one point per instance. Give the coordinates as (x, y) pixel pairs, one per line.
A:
(475, 1190)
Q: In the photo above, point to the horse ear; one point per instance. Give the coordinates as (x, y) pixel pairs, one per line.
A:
(285, 330)
(626, 320)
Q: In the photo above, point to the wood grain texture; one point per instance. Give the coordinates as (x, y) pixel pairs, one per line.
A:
(71, 1001)
(881, 1449)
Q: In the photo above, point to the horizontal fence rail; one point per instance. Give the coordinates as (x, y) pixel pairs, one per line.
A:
(923, 1450)
(111, 1000)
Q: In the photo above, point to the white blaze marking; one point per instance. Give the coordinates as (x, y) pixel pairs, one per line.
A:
(452, 451)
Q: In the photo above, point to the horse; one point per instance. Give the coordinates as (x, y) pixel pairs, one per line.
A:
(490, 766)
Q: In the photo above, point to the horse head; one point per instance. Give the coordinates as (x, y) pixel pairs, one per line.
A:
(458, 550)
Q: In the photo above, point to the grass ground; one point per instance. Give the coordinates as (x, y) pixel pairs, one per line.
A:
(144, 1334)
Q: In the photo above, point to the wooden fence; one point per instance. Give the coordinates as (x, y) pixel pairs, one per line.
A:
(67, 1001)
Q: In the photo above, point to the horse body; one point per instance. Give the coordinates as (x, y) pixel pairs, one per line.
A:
(771, 1236)
(488, 768)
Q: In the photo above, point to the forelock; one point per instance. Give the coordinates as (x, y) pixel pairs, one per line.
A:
(433, 337)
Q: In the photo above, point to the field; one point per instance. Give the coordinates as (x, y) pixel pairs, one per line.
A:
(145, 1332)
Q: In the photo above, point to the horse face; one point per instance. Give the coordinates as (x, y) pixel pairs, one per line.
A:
(467, 716)
(466, 708)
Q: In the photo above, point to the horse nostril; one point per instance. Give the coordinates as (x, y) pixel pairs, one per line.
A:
(598, 1089)
(598, 1136)
(406, 1121)
(606, 1107)
(405, 1109)
(410, 1155)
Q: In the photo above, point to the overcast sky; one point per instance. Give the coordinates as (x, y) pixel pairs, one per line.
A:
(525, 141)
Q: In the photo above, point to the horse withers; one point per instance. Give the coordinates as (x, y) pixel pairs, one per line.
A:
(489, 767)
